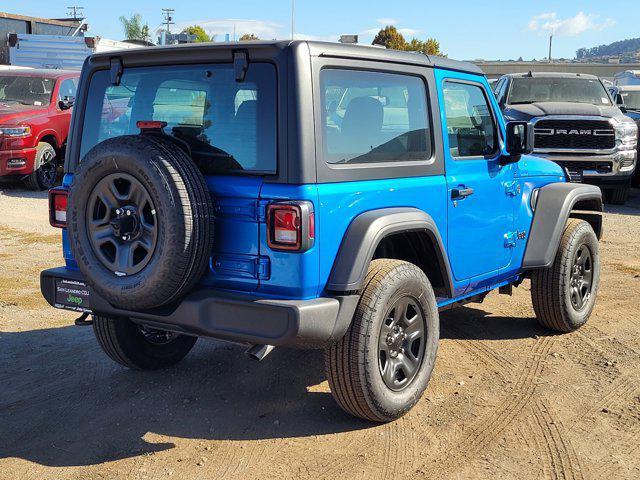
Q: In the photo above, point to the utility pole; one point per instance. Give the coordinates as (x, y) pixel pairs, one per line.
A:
(75, 12)
(168, 18)
(293, 18)
(550, 43)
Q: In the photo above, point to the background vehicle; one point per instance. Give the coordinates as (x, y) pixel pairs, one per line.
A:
(35, 111)
(57, 51)
(628, 77)
(575, 123)
(627, 97)
(312, 195)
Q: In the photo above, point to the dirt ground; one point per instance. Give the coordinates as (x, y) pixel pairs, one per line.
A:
(507, 399)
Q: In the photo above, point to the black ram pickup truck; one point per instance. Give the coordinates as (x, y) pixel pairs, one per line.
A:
(575, 123)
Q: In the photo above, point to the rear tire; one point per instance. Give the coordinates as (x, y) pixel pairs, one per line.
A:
(618, 196)
(45, 170)
(561, 299)
(376, 371)
(140, 348)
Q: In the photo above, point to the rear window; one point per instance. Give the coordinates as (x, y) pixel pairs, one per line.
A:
(372, 117)
(26, 90)
(229, 126)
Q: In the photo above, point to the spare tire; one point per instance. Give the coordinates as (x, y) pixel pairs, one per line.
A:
(140, 221)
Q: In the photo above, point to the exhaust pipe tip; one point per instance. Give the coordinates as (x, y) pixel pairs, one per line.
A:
(259, 352)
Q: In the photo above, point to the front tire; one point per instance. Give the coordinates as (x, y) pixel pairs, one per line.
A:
(564, 294)
(380, 368)
(138, 347)
(45, 170)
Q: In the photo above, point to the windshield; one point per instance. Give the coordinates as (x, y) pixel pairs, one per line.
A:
(541, 89)
(631, 99)
(229, 126)
(26, 90)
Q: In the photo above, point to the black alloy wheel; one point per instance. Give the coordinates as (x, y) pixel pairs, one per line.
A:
(401, 343)
(122, 224)
(581, 278)
(48, 171)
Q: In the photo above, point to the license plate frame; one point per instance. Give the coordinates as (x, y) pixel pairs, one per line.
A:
(72, 295)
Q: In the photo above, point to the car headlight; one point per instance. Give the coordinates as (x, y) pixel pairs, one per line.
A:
(627, 135)
(15, 131)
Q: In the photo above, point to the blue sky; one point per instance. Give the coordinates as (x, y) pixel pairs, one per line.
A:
(465, 29)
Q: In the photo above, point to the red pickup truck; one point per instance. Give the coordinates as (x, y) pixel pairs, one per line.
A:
(35, 111)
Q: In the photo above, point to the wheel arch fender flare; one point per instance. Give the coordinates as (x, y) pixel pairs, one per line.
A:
(365, 233)
(555, 203)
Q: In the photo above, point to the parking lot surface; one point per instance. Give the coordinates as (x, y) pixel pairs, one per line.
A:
(507, 399)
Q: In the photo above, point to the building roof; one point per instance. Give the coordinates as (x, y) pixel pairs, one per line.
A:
(71, 22)
(40, 72)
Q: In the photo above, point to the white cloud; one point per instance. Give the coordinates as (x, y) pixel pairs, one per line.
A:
(263, 29)
(569, 27)
(387, 21)
(407, 33)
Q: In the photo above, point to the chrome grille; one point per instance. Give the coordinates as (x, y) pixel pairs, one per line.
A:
(574, 135)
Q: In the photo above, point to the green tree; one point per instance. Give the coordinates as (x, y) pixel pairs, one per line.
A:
(391, 38)
(429, 47)
(133, 27)
(198, 31)
(248, 37)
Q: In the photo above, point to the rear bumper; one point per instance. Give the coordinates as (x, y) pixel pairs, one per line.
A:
(26, 157)
(234, 317)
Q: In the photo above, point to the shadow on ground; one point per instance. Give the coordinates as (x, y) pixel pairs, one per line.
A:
(63, 403)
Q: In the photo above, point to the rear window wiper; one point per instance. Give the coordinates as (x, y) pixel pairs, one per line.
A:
(524, 102)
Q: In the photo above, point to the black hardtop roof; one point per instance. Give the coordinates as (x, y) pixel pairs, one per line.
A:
(551, 75)
(320, 49)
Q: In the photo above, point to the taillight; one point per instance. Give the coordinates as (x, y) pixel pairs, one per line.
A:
(290, 226)
(58, 207)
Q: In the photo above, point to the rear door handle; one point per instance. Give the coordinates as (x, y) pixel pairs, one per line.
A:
(461, 192)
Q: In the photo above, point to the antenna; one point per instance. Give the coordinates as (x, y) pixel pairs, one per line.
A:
(168, 18)
(550, 43)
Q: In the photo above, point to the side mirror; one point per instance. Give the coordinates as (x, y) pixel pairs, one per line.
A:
(66, 103)
(517, 141)
(620, 103)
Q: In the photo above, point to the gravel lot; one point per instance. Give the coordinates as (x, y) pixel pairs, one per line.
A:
(507, 399)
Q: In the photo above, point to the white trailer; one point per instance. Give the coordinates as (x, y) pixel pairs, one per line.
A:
(628, 77)
(57, 51)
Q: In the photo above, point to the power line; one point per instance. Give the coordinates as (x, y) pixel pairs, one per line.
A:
(76, 12)
(168, 18)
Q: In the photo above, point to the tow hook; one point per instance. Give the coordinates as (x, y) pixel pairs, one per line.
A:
(259, 352)
(82, 321)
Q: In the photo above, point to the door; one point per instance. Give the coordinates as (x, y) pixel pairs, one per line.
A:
(61, 118)
(480, 191)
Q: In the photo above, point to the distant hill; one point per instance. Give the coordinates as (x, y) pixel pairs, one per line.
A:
(623, 49)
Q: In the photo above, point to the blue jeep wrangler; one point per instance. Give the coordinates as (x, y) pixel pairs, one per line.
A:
(312, 195)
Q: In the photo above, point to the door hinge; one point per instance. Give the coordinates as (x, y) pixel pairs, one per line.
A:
(510, 239)
(512, 188)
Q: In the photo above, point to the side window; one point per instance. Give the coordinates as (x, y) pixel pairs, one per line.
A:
(372, 117)
(470, 125)
(498, 86)
(67, 88)
(502, 90)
